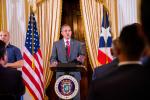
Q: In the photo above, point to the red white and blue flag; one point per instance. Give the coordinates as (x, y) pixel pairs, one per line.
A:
(105, 41)
(33, 63)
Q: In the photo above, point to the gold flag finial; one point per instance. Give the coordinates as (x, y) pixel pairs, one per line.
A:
(101, 1)
(33, 4)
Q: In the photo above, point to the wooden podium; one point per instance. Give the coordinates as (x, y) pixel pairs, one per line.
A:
(67, 68)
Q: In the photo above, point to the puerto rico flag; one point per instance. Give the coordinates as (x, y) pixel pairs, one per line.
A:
(105, 41)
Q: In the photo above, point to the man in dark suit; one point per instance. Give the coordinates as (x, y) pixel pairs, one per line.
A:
(11, 84)
(68, 50)
(127, 82)
(59, 52)
(105, 69)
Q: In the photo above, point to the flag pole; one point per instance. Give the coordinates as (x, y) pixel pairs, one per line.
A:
(104, 16)
(32, 24)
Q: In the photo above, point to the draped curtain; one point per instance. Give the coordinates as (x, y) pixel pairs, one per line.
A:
(113, 16)
(91, 11)
(15, 10)
(138, 8)
(3, 18)
(49, 20)
(127, 12)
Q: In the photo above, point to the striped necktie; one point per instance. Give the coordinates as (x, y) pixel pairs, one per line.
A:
(68, 48)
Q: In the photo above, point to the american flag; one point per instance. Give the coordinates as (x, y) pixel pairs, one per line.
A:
(33, 63)
(105, 41)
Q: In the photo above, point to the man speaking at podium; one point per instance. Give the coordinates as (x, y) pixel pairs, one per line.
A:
(67, 50)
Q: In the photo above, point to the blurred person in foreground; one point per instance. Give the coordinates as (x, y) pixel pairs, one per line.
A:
(105, 69)
(11, 84)
(145, 20)
(127, 82)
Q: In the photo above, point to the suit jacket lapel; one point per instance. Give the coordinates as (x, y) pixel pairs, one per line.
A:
(62, 46)
(71, 48)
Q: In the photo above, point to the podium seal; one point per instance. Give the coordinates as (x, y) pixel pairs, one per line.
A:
(66, 87)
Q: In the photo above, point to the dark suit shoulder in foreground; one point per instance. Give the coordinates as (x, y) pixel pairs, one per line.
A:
(11, 82)
(103, 70)
(126, 83)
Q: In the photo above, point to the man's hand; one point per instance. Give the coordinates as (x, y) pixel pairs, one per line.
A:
(54, 64)
(5, 65)
(81, 58)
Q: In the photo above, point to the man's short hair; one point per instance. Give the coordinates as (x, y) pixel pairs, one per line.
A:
(131, 41)
(2, 49)
(64, 26)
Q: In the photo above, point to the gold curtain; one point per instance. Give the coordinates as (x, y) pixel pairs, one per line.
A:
(16, 22)
(91, 11)
(48, 17)
(138, 10)
(3, 17)
(112, 8)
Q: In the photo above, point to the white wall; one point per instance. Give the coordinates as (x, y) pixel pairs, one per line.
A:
(127, 13)
(16, 23)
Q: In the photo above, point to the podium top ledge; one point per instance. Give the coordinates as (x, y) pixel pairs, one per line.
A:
(69, 67)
